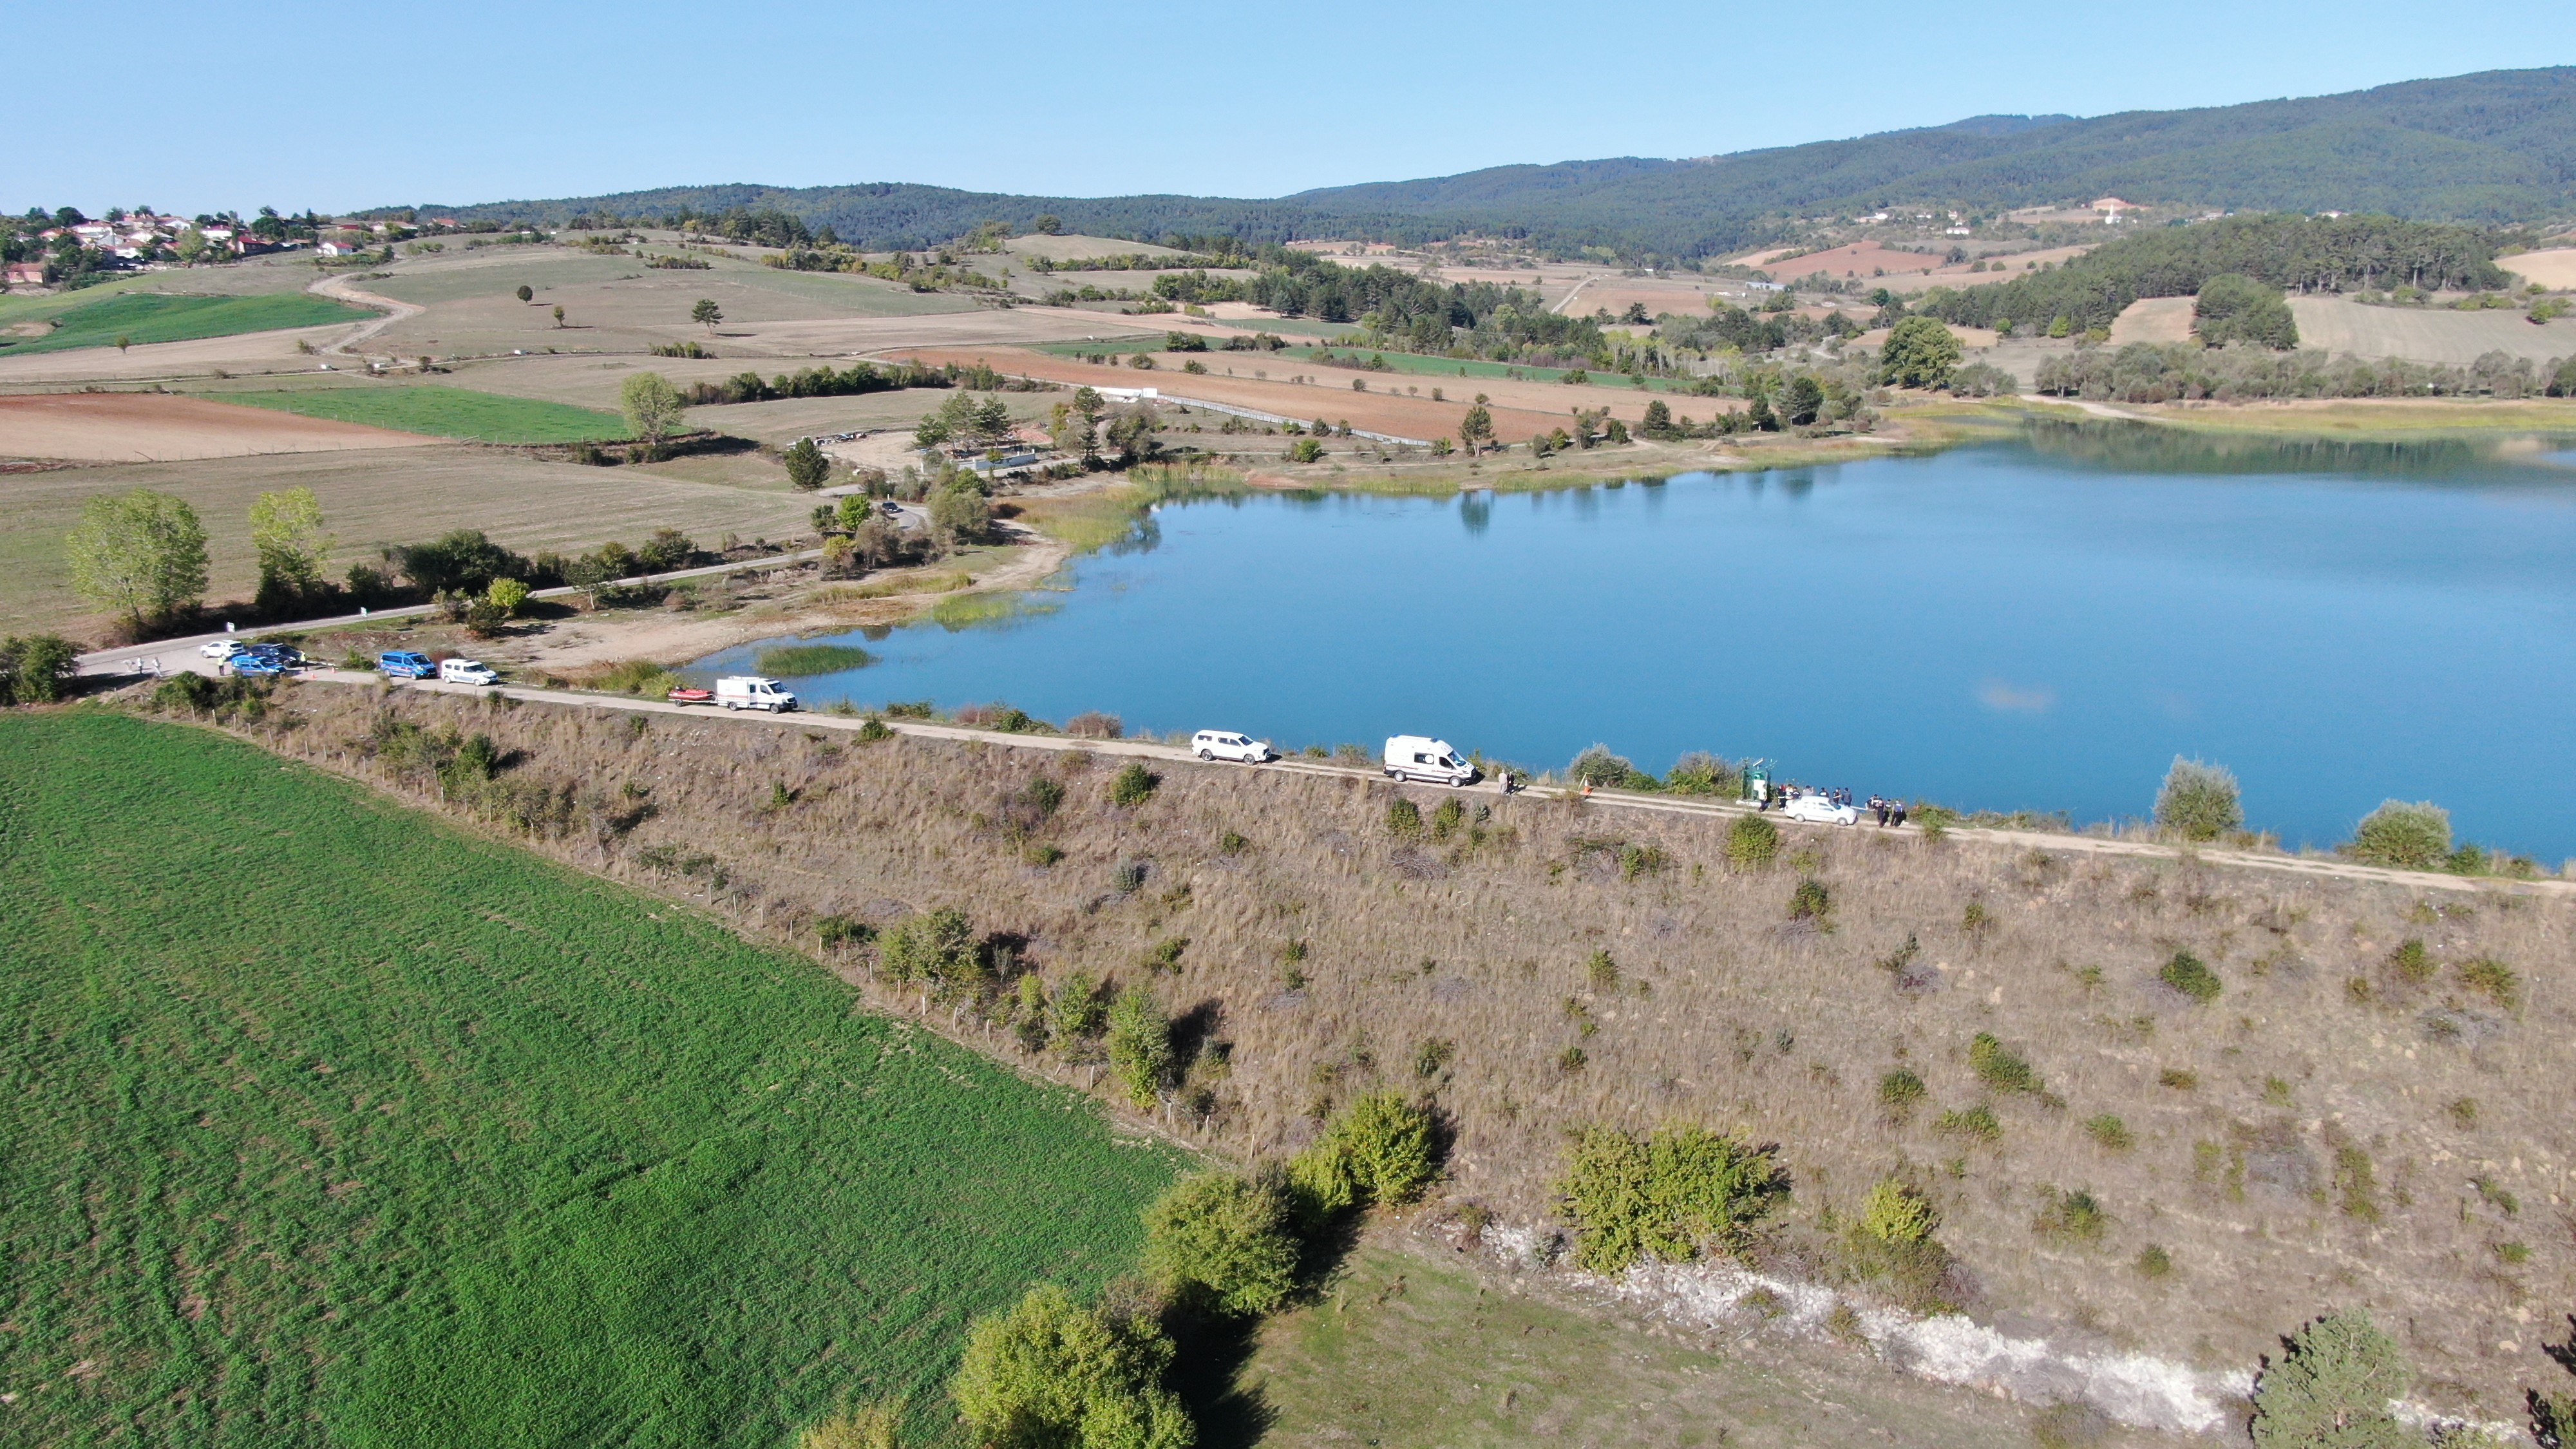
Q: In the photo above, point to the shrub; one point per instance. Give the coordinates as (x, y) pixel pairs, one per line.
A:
(2199, 801)
(2412, 963)
(1698, 773)
(2154, 1262)
(1447, 820)
(2331, 1389)
(1603, 770)
(1093, 725)
(2109, 1132)
(1432, 1055)
(2403, 837)
(1899, 1090)
(2178, 1079)
(933, 946)
(1166, 955)
(1050, 1372)
(510, 596)
(1809, 902)
(1637, 860)
(1403, 819)
(1977, 1123)
(2187, 974)
(1571, 1060)
(1896, 1213)
(1133, 785)
(2493, 980)
(1223, 1241)
(1751, 842)
(33, 671)
(1078, 1011)
(2356, 1186)
(1999, 1067)
(2072, 1216)
(1672, 1196)
(1140, 1045)
(1376, 1150)
(873, 731)
(1601, 973)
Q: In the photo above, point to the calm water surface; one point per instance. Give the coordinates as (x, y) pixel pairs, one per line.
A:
(2038, 624)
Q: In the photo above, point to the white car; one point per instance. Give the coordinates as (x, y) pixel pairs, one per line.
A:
(1819, 810)
(466, 671)
(220, 649)
(1227, 745)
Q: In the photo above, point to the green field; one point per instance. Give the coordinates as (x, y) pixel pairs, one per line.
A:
(159, 317)
(328, 1124)
(447, 412)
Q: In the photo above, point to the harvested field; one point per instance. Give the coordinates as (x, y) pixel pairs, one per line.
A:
(2426, 334)
(1860, 259)
(1519, 409)
(2153, 319)
(309, 1150)
(2554, 268)
(247, 352)
(2305, 1140)
(403, 495)
(1073, 247)
(142, 427)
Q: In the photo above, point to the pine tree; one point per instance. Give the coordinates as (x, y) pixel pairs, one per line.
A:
(2332, 1388)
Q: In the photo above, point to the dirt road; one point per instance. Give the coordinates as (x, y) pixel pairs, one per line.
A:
(346, 289)
(1600, 799)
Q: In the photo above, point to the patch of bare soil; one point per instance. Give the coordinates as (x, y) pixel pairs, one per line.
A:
(807, 606)
(144, 427)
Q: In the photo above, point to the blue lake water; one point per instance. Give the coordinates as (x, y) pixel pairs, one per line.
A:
(2041, 623)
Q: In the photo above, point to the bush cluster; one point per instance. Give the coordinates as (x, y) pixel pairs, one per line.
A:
(1671, 1196)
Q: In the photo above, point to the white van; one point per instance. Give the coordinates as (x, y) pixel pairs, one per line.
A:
(750, 691)
(1420, 757)
(466, 671)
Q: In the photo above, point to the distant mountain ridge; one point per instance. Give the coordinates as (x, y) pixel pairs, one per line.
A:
(2494, 147)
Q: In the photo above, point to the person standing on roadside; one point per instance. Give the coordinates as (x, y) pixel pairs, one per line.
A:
(1897, 814)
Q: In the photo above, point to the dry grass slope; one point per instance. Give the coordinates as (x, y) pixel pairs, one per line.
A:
(2349, 1121)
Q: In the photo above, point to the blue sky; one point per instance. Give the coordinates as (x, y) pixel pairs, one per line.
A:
(196, 107)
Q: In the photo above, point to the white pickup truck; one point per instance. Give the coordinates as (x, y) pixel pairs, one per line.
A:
(751, 691)
(1229, 745)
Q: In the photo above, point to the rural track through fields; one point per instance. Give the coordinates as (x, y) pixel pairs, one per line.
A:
(1606, 799)
(345, 289)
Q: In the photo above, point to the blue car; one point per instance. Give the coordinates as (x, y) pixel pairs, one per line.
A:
(406, 664)
(264, 660)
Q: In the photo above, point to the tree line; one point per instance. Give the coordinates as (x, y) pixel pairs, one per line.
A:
(2298, 253)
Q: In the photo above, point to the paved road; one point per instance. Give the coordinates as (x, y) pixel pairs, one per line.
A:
(175, 654)
(1602, 799)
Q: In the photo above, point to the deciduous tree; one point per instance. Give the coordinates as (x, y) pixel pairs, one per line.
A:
(1051, 1374)
(652, 406)
(141, 554)
(286, 532)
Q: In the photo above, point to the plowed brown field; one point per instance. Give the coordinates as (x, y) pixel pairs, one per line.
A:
(144, 427)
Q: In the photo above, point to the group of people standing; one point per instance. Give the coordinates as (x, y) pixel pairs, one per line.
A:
(1889, 812)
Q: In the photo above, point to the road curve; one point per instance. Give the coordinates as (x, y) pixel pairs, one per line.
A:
(346, 289)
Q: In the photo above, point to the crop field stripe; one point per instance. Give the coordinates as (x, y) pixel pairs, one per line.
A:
(447, 412)
(330, 1124)
(161, 317)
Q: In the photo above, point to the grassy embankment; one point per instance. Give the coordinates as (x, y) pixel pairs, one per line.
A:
(446, 412)
(328, 1124)
(141, 317)
(2000, 1027)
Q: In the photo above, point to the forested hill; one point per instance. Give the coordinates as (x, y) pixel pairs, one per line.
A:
(2499, 146)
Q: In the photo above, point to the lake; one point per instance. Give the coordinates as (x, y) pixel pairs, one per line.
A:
(2041, 623)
